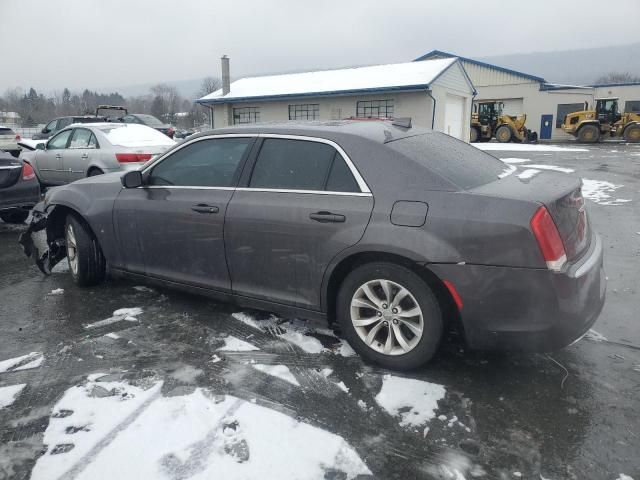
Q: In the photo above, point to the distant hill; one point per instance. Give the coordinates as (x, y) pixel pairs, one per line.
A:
(574, 67)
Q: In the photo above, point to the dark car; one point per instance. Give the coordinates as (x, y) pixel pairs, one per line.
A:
(19, 189)
(55, 125)
(150, 121)
(393, 234)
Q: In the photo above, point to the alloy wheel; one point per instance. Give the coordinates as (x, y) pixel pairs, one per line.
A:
(72, 249)
(387, 317)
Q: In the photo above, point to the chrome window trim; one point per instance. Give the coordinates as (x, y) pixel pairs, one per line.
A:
(364, 188)
(186, 187)
(314, 192)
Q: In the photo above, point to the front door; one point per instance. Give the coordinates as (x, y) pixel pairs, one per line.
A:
(300, 207)
(172, 227)
(546, 127)
(49, 161)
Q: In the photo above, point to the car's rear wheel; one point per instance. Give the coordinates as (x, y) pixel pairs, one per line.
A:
(14, 216)
(86, 262)
(389, 315)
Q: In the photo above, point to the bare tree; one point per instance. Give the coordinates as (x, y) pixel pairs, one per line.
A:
(165, 100)
(617, 77)
(208, 85)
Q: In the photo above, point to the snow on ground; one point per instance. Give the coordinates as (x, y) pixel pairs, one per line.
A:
(414, 401)
(103, 430)
(507, 171)
(280, 371)
(128, 314)
(56, 291)
(526, 147)
(595, 336)
(528, 173)
(298, 333)
(515, 160)
(9, 394)
(624, 477)
(552, 167)
(233, 344)
(24, 362)
(600, 192)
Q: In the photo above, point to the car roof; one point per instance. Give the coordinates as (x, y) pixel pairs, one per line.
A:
(381, 131)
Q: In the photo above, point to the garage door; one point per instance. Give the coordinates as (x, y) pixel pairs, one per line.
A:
(454, 116)
(512, 106)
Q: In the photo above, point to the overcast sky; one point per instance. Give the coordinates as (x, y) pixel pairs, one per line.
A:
(101, 44)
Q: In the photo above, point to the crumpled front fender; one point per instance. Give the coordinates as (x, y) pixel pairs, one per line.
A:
(56, 248)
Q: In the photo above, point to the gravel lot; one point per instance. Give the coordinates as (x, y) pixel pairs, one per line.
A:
(188, 388)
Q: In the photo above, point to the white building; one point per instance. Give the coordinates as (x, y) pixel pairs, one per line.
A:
(544, 103)
(435, 94)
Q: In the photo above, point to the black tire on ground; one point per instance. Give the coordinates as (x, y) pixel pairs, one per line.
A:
(86, 262)
(589, 134)
(94, 171)
(504, 134)
(425, 346)
(473, 134)
(14, 216)
(632, 134)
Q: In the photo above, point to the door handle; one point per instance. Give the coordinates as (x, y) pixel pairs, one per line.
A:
(58, 156)
(327, 217)
(203, 208)
(85, 155)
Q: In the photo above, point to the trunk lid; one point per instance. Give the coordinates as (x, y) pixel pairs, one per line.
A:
(560, 193)
(10, 171)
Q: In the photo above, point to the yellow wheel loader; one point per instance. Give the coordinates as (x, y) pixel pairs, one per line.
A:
(488, 121)
(589, 126)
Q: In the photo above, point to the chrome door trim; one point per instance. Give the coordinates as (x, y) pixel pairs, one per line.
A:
(313, 192)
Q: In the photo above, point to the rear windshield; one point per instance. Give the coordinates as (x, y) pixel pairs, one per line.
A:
(460, 163)
(150, 120)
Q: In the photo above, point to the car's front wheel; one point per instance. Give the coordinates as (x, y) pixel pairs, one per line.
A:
(389, 315)
(86, 262)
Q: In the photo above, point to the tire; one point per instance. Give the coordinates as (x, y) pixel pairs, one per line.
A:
(588, 134)
(504, 134)
(373, 278)
(14, 216)
(94, 171)
(474, 134)
(632, 134)
(86, 262)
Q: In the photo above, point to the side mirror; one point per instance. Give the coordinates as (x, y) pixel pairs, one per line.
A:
(41, 146)
(45, 130)
(132, 179)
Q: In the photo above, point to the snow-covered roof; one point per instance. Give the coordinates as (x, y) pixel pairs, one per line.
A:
(397, 76)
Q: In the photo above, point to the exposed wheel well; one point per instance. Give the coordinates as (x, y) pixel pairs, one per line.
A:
(94, 169)
(451, 315)
(57, 219)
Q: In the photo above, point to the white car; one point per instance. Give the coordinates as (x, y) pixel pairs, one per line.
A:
(87, 149)
(9, 141)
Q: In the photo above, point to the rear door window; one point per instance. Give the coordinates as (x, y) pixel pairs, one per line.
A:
(80, 138)
(292, 165)
(458, 162)
(206, 163)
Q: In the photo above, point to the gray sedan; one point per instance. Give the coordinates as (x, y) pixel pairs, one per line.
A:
(391, 234)
(84, 150)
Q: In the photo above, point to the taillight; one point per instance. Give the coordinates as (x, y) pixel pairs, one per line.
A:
(17, 137)
(546, 233)
(132, 157)
(27, 172)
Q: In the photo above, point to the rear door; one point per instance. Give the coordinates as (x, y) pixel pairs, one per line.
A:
(172, 228)
(301, 204)
(78, 155)
(50, 161)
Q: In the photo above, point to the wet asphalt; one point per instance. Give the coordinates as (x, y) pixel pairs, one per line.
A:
(572, 414)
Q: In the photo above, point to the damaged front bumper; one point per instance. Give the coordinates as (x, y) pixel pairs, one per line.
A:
(48, 257)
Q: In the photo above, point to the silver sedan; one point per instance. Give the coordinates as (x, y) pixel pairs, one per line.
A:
(84, 150)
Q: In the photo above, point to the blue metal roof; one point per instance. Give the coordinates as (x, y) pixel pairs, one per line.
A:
(441, 54)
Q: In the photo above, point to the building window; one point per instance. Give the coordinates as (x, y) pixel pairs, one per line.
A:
(374, 108)
(632, 106)
(246, 115)
(565, 109)
(307, 111)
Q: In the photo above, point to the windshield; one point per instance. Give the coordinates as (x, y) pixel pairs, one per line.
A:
(460, 163)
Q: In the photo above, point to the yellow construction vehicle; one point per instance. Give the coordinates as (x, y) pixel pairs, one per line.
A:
(487, 121)
(588, 126)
